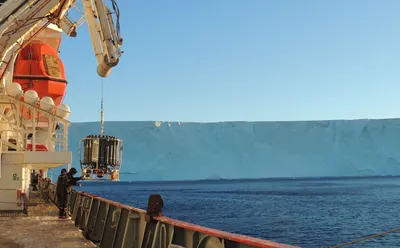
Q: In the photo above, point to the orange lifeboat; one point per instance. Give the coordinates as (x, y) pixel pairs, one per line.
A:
(38, 67)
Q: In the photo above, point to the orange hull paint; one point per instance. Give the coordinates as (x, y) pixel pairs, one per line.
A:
(38, 67)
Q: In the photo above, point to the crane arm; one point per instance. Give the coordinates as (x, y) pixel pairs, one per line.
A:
(19, 19)
(105, 40)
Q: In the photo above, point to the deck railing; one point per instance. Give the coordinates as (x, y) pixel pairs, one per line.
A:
(111, 224)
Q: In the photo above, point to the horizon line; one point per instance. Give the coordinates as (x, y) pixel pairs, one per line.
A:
(333, 178)
(244, 121)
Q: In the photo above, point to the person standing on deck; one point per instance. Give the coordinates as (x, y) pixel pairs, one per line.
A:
(62, 193)
(73, 181)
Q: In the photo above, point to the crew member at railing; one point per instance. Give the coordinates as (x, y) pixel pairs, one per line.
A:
(62, 193)
(73, 181)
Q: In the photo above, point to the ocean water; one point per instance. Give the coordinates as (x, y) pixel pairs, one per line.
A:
(304, 212)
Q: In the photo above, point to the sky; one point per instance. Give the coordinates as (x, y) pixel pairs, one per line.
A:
(243, 60)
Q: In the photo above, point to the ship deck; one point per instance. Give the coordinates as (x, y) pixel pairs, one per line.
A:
(40, 227)
(40, 231)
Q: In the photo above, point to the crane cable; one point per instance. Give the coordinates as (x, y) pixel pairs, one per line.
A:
(367, 238)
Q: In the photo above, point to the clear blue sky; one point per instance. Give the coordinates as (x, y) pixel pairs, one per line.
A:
(253, 60)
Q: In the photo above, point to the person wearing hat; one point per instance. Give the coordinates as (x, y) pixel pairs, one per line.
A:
(62, 193)
(73, 181)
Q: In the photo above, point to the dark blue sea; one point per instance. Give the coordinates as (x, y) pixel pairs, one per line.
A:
(304, 212)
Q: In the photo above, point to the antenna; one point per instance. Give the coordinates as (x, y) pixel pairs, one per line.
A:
(102, 110)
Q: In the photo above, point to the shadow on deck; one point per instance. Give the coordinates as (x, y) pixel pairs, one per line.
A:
(40, 231)
(40, 227)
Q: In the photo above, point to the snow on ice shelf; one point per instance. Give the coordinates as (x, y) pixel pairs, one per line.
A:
(230, 150)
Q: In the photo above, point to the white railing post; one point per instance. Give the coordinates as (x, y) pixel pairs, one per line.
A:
(33, 111)
(66, 126)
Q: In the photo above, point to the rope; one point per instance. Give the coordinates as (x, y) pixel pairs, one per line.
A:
(367, 238)
(117, 14)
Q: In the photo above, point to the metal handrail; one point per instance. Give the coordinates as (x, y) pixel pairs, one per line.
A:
(96, 216)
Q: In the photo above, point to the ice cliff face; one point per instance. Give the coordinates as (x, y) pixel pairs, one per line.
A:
(188, 151)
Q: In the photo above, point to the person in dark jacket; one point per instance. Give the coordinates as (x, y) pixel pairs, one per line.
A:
(62, 193)
(73, 181)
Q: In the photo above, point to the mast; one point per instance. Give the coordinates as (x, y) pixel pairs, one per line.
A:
(102, 111)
